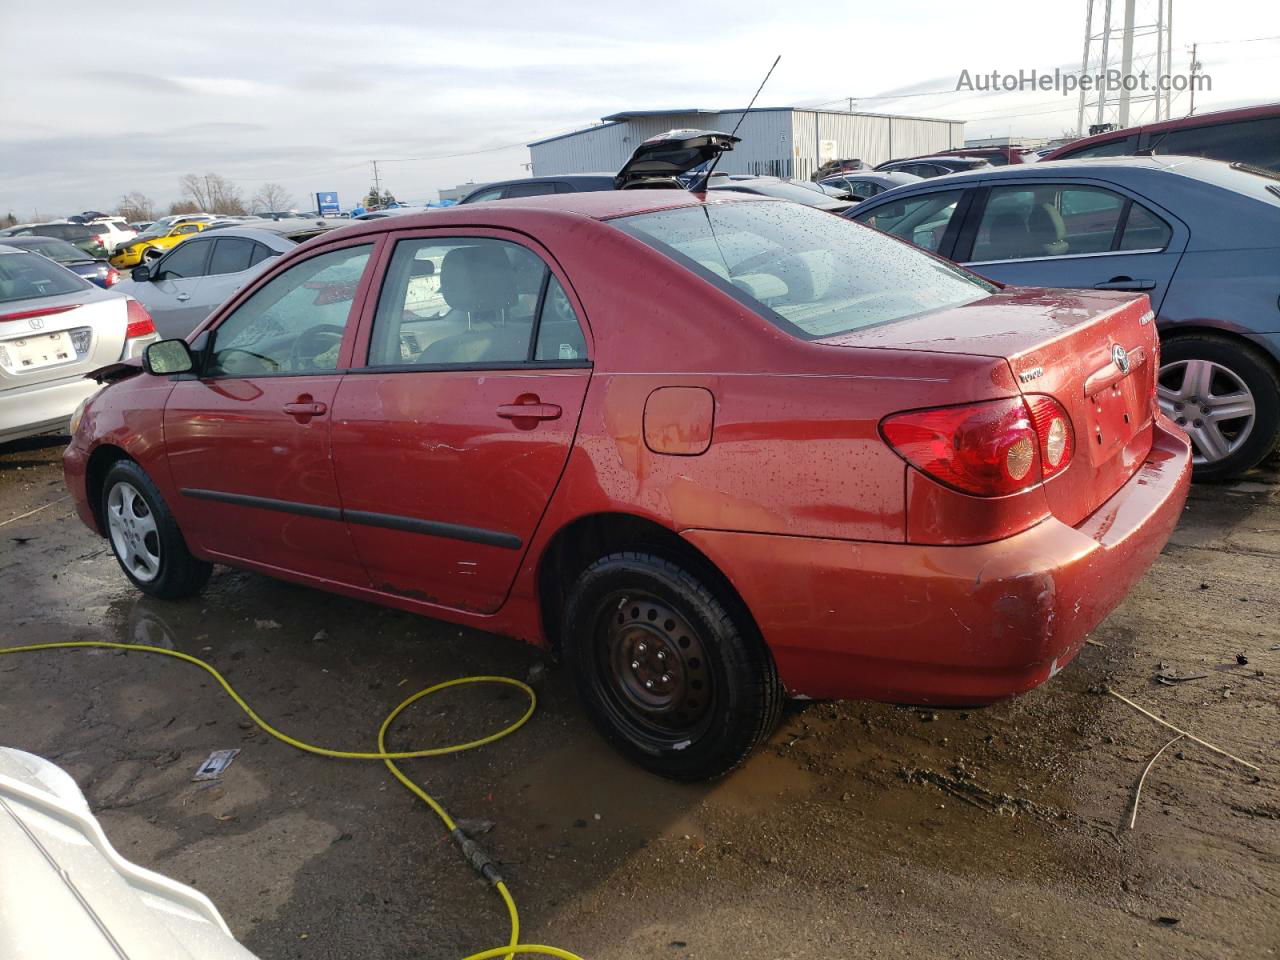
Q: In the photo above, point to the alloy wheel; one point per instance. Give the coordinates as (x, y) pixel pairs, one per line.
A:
(134, 534)
(1210, 402)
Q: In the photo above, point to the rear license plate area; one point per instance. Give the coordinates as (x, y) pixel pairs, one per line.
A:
(36, 351)
(1116, 416)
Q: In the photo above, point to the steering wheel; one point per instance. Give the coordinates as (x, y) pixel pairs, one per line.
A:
(319, 338)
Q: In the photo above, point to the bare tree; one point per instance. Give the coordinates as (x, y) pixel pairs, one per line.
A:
(271, 197)
(8, 219)
(183, 206)
(136, 206)
(213, 193)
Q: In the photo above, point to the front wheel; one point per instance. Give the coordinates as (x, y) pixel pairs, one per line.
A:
(1226, 395)
(668, 674)
(145, 537)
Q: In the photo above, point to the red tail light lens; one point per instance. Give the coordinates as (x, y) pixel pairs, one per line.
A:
(1053, 426)
(140, 324)
(112, 277)
(988, 449)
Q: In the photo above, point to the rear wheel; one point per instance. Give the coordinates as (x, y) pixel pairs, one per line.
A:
(1226, 396)
(671, 677)
(145, 537)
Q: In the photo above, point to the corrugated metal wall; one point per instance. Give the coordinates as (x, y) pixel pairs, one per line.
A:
(783, 143)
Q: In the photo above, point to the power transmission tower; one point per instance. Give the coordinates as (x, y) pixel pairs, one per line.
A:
(1143, 31)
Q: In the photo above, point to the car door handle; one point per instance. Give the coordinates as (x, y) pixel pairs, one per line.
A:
(304, 408)
(183, 296)
(529, 411)
(1125, 283)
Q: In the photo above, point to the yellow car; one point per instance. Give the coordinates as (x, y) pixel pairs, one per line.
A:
(167, 237)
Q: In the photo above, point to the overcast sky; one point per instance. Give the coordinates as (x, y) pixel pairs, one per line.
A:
(93, 106)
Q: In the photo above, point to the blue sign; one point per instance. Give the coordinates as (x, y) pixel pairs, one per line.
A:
(327, 204)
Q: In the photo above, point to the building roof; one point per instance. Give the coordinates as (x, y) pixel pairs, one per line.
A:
(622, 117)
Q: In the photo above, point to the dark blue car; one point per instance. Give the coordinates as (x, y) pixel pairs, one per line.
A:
(70, 256)
(1200, 237)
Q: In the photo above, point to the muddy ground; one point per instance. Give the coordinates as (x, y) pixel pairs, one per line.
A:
(861, 830)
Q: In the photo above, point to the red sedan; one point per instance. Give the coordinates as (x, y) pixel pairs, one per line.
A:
(714, 450)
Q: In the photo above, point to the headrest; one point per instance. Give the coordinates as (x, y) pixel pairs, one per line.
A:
(422, 268)
(478, 278)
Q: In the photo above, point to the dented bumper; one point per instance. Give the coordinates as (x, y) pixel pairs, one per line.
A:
(952, 625)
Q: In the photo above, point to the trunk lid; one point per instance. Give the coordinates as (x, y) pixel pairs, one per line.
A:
(53, 338)
(662, 158)
(1096, 353)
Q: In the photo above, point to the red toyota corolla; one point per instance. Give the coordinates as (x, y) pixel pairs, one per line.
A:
(714, 450)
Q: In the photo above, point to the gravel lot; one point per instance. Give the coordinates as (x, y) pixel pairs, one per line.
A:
(861, 830)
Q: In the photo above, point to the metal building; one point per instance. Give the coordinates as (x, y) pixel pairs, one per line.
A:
(776, 141)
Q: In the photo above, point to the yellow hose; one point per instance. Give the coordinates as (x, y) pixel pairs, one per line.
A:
(514, 947)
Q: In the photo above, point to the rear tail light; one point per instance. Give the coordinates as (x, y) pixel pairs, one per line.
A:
(1057, 439)
(140, 324)
(111, 277)
(988, 449)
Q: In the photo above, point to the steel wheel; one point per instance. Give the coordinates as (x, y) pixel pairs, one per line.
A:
(653, 667)
(133, 530)
(1211, 402)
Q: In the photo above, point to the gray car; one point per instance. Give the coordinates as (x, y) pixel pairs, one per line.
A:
(864, 184)
(54, 328)
(1200, 237)
(185, 285)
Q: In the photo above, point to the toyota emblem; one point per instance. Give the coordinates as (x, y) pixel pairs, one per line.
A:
(1121, 358)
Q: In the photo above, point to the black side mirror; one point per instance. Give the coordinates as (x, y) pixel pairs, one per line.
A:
(140, 274)
(168, 357)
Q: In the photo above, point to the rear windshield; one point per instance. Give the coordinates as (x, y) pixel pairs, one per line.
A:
(28, 276)
(55, 249)
(811, 273)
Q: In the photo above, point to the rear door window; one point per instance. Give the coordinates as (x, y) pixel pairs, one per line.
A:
(1255, 142)
(230, 255)
(1047, 220)
(471, 301)
(531, 189)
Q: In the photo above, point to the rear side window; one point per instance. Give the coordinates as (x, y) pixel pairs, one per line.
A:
(812, 274)
(471, 301)
(29, 276)
(230, 255)
(491, 194)
(1144, 231)
(920, 220)
(1255, 142)
(530, 189)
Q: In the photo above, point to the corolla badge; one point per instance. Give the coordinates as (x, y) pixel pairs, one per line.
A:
(1121, 358)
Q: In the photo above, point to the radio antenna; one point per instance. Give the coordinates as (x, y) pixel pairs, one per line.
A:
(701, 185)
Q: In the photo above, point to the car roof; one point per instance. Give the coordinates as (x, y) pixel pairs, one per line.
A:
(271, 238)
(592, 205)
(1177, 123)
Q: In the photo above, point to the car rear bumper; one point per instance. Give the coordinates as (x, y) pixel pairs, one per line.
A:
(952, 625)
(41, 407)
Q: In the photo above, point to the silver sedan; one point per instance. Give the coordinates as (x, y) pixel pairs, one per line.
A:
(198, 275)
(55, 328)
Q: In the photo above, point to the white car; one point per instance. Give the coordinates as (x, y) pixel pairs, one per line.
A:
(54, 328)
(112, 232)
(68, 893)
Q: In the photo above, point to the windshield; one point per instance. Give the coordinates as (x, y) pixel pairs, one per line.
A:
(29, 276)
(813, 274)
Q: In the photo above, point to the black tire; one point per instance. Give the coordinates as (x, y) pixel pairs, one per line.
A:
(1248, 443)
(713, 693)
(145, 537)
